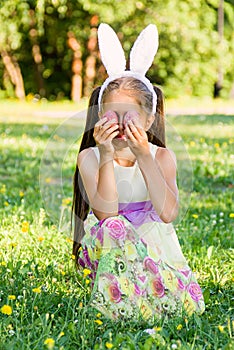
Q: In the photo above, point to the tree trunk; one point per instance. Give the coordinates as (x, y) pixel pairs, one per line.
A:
(14, 72)
(76, 88)
(90, 64)
(219, 83)
(37, 57)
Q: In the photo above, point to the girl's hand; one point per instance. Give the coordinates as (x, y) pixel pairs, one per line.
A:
(104, 132)
(137, 138)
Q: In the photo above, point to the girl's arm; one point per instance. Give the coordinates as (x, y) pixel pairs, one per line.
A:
(99, 179)
(99, 183)
(159, 173)
(160, 178)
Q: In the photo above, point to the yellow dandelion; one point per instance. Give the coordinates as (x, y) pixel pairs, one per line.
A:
(6, 310)
(61, 334)
(11, 297)
(73, 257)
(25, 226)
(6, 204)
(99, 315)
(13, 244)
(99, 322)
(192, 143)
(195, 216)
(86, 272)
(109, 345)
(40, 238)
(221, 328)
(63, 272)
(49, 342)
(3, 263)
(48, 180)
(157, 329)
(69, 240)
(35, 308)
(231, 215)
(80, 249)
(21, 193)
(37, 290)
(80, 305)
(216, 145)
(87, 281)
(66, 201)
(224, 144)
(230, 141)
(3, 189)
(179, 327)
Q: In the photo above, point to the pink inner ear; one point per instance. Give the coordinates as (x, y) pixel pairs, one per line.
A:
(130, 115)
(111, 115)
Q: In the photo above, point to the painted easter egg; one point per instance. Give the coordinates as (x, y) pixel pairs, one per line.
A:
(111, 115)
(130, 115)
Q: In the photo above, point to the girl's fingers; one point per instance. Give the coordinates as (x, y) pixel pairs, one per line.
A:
(109, 129)
(130, 135)
(136, 127)
(101, 122)
(104, 125)
(114, 134)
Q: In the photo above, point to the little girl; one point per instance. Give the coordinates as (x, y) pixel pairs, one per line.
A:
(126, 196)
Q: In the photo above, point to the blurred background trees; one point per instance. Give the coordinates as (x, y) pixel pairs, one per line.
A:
(48, 48)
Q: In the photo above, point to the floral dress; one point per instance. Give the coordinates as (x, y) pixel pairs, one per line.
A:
(135, 261)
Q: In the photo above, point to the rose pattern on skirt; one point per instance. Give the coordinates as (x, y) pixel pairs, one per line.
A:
(158, 288)
(195, 291)
(114, 293)
(150, 265)
(116, 227)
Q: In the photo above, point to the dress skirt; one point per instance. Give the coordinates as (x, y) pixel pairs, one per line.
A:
(137, 269)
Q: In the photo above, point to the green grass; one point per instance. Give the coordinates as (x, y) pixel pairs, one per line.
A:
(36, 264)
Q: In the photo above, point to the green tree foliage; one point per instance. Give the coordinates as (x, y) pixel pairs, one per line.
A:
(35, 33)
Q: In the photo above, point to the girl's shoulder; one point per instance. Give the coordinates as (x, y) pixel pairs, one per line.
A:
(161, 152)
(165, 155)
(90, 154)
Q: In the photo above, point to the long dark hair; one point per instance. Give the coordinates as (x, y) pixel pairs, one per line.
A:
(156, 135)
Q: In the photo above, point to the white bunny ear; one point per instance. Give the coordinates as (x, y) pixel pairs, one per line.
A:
(144, 49)
(111, 50)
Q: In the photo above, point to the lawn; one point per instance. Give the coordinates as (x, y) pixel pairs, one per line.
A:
(43, 301)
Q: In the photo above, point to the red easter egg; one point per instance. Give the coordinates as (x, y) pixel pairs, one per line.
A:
(130, 115)
(111, 115)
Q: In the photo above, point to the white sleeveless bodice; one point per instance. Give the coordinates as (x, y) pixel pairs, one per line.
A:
(130, 183)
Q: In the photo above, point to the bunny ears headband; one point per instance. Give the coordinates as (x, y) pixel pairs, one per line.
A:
(141, 57)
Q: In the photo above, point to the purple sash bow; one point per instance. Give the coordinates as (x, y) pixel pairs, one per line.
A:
(139, 213)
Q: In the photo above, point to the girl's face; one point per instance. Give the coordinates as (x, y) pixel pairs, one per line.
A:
(125, 106)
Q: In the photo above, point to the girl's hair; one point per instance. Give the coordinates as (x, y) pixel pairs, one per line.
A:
(156, 135)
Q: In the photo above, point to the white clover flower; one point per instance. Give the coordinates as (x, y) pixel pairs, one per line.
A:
(149, 331)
